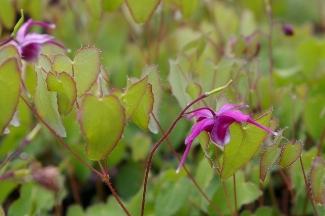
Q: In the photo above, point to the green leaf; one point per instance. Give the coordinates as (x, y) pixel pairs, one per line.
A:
(317, 177)
(112, 5)
(141, 116)
(204, 174)
(45, 101)
(86, 67)
(140, 146)
(102, 209)
(65, 86)
(194, 90)
(62, 63)
(9, 91)
(172, 196)
(95, 7)
(188, 7)
(9, 51)
(75, 210)
(269, 156)
(178, 82)
(7, 14)
(142, 11)
(290, 153)
(244, 143)
(155, 81)
(102, 122)
(133, 96)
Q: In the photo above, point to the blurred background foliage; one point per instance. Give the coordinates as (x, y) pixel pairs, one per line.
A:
(211, 41)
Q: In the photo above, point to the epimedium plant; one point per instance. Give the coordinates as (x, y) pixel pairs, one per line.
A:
(80, 88)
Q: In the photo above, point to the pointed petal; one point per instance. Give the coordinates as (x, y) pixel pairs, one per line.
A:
(261, 126)
(227, 107)
(205, 124)
(36, 38)
(201, 113)
(188, 147)
(237, 115)
(23, 30)
(220, 132)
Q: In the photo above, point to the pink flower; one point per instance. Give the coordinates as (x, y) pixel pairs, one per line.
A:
(217, 125)
(287, 30)
(29, 44)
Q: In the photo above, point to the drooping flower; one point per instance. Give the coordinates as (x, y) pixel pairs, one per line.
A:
(29, 44)
(287, 30)
(217, 125)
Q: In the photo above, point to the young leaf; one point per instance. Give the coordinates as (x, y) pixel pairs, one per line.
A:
(317, 176)
(142, 10)
(112, 5)
(140, 146)
(9, 90)
(45, 101)
(155, 81)
(102, 122)
(244, 143)
(269, 156)
(65, 86)
(133, 96)
(62, 63)
(141, 116)
(7, 52)
(290, 153)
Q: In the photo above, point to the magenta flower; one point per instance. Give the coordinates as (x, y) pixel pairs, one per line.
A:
(287, 30)
(217, 125)
(29, 44)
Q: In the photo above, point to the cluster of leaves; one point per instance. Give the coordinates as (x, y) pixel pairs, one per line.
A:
(183, 49)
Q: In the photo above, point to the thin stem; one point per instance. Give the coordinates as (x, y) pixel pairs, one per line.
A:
(288, 182)
(106, 179)
(235, 194)
(158, 144)
(59, 138)
(187, 172)
(7, 175)
(227, 197)
(307, 187)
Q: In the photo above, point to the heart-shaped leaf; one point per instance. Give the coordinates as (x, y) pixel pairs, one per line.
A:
(141, 115)
(7, 52)
(46, 101)
(317, 177)
(142, 10)
(84, 68)
(102, 122)
(133, 96)
(155, 81)
(65, 86)
(9, 90)
(244, 143)
(290, 153)
(269, 156)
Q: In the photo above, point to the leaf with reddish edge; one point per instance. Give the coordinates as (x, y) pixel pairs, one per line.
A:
(9, 90)
(268, 158)
(317, 177)
(244, 143)
(9, 51)
(142, 10)
(46, 101)
(155, 80)
(290, 153)
(65, 86)
(62, 63)
(102, 122)
(133, 96)
(141, 115)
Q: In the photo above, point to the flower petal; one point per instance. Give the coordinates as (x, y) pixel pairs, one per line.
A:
(237, 115)
(227, 107)
(261, 126)
(205, 124)
(201, 113)
(22, 32)
(36, 38)
(220, 133)
(188, 147)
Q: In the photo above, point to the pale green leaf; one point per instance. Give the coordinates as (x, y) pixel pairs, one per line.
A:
(9, 90)
(9, 51)
(317, 178)
(194, 90)
(45, 101)
(290, 153)
(244, 143)
(140, 147)
(112, 5)
(269, 156)
(62, 63)
(155, 80)
(75, 210)
(95, 7)
(141, 115)
(133, 96)
(102, 122)
(142, 10)
(7, 14)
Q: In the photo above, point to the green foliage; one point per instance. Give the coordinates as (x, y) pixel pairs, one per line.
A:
(317, 175)
(142, 12)
(268, 158)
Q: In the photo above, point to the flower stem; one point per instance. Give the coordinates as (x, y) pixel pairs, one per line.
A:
(307, 187)
(158, 144)
(187, 172)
